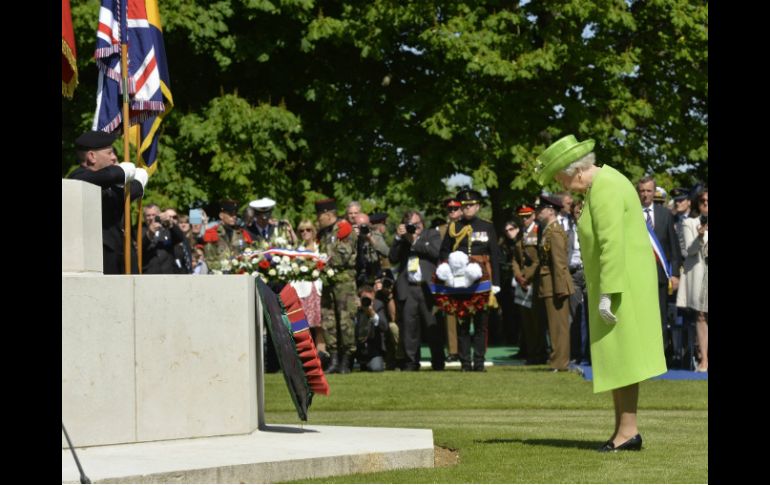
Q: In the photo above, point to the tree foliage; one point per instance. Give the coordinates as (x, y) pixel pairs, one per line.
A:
(381, 100)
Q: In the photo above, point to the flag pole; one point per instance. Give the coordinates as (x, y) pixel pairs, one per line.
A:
(140, 216)
(126, 148)
(126, 158)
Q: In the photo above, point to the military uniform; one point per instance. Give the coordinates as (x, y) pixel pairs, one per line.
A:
(481, 246)
(451, 320)
(525, 264)
(368, 257)
(338, 301)
(222, 243)
(111, 180)
(553, 286)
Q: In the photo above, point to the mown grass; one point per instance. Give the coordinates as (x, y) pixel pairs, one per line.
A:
(515, 425)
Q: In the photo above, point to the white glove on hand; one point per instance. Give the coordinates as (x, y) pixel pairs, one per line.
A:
(141, 176)
(604, 310)
(495, 289)
(129, 169)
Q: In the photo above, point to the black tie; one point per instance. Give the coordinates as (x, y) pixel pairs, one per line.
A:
(649, 219)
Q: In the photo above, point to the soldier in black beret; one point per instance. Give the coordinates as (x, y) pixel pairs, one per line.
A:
(98, 166)
(477, 238)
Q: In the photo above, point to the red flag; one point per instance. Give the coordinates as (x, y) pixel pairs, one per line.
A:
(69, 67)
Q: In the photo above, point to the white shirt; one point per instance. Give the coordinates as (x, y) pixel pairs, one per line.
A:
(651, 212)
(575, 260)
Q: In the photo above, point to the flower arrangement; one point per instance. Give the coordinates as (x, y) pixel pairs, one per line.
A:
(458, 273)
(280, 265)
(463, 305)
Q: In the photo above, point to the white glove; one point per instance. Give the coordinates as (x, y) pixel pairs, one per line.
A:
(141, 176)
(604, 310)
(495, 289)
(129, 169)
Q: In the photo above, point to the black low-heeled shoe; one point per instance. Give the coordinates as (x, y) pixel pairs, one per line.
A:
(633, 444)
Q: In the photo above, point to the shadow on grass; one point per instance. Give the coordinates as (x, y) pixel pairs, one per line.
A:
(582, 445)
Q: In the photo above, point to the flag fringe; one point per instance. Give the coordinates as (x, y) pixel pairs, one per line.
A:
(68, 87)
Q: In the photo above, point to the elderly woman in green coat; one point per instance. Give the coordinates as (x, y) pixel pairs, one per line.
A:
(621, 279)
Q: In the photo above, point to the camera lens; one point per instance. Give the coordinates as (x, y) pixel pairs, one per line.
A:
(366, 301)
(363, 229)
(411, 228)
(704, 220)
(157, 218)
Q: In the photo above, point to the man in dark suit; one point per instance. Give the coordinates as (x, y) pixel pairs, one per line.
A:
(99, 166)
(662, 221)
(415, 253)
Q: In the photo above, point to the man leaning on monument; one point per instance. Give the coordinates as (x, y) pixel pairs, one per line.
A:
(99, 166)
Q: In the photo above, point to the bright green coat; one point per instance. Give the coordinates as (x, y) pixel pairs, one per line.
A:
(618, 259)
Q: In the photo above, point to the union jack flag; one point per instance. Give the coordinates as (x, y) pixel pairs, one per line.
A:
(136, 22)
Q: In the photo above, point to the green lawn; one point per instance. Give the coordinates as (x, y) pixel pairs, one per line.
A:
(515, 425)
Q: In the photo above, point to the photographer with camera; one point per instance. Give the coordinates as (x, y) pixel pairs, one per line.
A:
(370, 245)
(384, 291)
(371, 324)
(160, 236)
(415, 253)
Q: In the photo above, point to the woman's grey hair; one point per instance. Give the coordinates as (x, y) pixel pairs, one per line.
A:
(582, 163)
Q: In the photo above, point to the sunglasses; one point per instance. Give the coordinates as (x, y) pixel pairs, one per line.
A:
(305, 229)
(452, 209)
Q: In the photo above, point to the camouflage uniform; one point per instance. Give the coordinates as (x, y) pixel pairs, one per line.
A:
(338, 301)
(368, 258)
(217, 245)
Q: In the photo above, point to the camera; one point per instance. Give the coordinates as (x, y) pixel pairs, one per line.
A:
(283, 223)
(363, 229)
(157, 219)
(366, 302)
(411, 228)
(704, 220)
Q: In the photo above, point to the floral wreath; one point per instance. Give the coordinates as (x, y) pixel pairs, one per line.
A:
(281, 265)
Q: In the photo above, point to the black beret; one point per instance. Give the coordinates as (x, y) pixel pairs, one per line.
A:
(378, 217)
(468, 196)
(324, 205)
(552, 202)
(229, 206)
(91, 140)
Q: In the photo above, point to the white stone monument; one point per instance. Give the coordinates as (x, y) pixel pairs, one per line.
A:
(162, 378)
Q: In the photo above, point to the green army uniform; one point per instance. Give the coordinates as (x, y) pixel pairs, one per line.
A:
(368, 264)
(220, 246)
(338, 301)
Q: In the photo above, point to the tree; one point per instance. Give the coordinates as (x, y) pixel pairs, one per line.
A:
(380, 100)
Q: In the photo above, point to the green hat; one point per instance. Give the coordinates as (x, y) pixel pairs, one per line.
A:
(559, 155)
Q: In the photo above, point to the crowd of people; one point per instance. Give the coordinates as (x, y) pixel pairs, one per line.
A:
(535, 269)
(560, 266)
